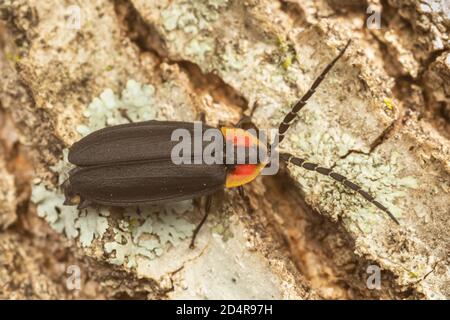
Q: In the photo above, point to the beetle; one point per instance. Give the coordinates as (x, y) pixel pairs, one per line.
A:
(130, 164)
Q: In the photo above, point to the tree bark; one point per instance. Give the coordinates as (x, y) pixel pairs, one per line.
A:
(380, 118)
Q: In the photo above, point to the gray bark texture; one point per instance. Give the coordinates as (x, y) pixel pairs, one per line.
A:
(381, 118)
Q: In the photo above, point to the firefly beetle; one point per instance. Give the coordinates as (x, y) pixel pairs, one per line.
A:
(130, 164)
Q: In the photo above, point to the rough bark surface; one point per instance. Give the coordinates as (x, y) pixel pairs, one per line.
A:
(381, 117)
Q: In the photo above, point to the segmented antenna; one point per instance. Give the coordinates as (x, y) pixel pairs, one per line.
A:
(299, 162)
(289, 118)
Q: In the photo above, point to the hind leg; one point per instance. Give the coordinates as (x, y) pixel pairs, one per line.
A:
(199, 226)
(84, 204)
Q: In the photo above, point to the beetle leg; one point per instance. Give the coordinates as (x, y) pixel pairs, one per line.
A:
(241, 192)
(124, 113)
(243, 121)
(84, 204)
(245, 198)
(138, 210)
(65, 186)
(203, 117)
(199, 226)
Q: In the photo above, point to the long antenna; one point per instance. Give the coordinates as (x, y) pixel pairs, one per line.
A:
(288, 119)
(299, 162)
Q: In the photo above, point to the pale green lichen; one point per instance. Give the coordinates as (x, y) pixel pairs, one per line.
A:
(88, 224)
(169, 225)
(125, 251)
(329, 147)
(148, 234)
(380, 177)
(265, 71)
(191, 17)
(67, 219)
(199, 48)
(91, 225)
(320, 144)
(107, 110)
(221, 224)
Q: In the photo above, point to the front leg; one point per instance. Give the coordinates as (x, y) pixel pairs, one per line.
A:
(245, 198)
